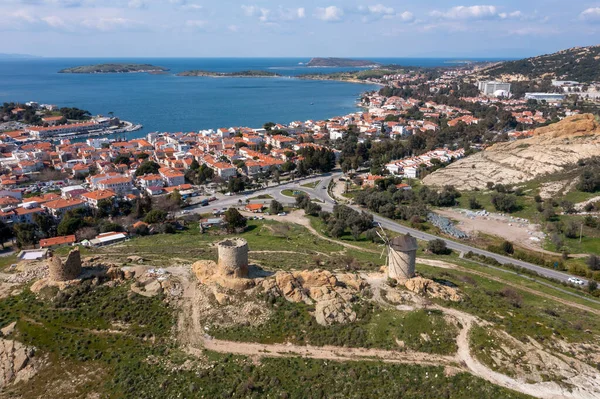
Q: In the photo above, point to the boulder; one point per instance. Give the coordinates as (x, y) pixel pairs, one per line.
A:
(431, 289)
(115, 273)
(15, 359)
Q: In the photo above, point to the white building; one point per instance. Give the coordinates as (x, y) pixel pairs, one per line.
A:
(548, 97)
(493, 88)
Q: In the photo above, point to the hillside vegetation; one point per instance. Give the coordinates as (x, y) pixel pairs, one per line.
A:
(581, 64)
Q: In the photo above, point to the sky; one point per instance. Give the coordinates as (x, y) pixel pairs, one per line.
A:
(302, 28)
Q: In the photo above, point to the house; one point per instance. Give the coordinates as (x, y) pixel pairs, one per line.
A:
(172, 177)
(80, 169)
(94, 197)
(59, 207)
(120, 185)
(154, 190)
(112, 237)
(25, 215)
(57, 241)
(254, 208)
(153, 180)
(280, 141)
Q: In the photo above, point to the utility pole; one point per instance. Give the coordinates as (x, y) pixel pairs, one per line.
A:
(581, 232)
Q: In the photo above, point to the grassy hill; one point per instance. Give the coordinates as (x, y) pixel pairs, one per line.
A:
(581, 64)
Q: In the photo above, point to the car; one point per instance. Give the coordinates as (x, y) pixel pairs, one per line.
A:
(282, 214)
(575, 280)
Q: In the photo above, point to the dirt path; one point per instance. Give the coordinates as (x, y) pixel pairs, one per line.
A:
(328, 353)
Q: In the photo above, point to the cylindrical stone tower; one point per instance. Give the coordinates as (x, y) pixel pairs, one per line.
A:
(69, 270)
(233, 257)
(402, 254)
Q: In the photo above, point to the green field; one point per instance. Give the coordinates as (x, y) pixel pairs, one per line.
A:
(312, 184)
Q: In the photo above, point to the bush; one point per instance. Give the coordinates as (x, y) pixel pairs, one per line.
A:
(512, 296)
(505, 202)
(474, 204)
(438, 247)
(508, 247)
(593, 262)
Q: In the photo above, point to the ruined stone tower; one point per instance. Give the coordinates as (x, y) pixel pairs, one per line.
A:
(402, 254)
(69, 270)
(233, 257)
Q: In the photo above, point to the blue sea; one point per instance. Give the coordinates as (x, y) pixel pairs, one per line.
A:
(167, 103)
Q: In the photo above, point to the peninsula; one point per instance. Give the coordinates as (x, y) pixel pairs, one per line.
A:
(341, 63)
(115, 68)
(241, 74)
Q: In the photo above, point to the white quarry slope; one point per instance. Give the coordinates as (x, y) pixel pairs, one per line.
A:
(552, 149)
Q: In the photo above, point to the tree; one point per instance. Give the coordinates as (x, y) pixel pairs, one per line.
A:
(236, 184)
(275, 207)
(438, 247)
(508, 247)
(234, 220)
(122, 159)
(572, 229)
(147, 168)
(25, 234)
(593, 262)
(504, 202)
(45, 223)
(474, 204)
(155, 216)
(5, 233)
(69, 225)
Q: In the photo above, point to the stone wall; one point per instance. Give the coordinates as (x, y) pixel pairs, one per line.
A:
(69, 270)
(233, 257)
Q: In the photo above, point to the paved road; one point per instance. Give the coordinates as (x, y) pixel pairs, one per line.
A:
(321, 192)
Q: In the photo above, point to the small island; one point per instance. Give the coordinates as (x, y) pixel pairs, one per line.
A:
(241, 74)
(115, 68)
(341, 63)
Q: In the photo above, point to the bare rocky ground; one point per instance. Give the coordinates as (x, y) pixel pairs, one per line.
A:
(552, 149)
(519, 232)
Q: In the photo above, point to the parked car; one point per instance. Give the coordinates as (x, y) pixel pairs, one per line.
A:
(576, 281)
(282, 214)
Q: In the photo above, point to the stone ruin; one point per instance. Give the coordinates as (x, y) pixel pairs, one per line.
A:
(233, 257)
(231, 270)
(69, 270)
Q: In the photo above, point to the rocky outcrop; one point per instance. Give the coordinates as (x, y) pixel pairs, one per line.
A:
(431, 289)
(330, 294)
(552, 149)
(15, 362)
(208, 272)
(69, 270)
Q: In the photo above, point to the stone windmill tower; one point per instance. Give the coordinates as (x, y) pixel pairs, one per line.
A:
(401, 255)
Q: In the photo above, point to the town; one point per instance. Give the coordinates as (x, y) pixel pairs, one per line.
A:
(45, 173)
(440, 239)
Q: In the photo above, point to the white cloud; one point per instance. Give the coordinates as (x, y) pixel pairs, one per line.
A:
(268, 16)
(233, 28)
(591, 15)
(290, 14)
(196, 24)
(406, 16)
(54, 22)
(137, 4)
(473, 13)
(110, 24)
(251, 11)
(329, 14)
